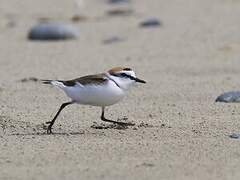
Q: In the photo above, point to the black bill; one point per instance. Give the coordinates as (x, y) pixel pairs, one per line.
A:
(139, 80)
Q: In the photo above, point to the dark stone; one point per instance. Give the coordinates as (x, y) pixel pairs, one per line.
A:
(79, 18)
(33, 79)
(118, 1)
(120, 12)
(113, 39)
(52, 31)
(229, 97)
(152, 22)
(235, 135)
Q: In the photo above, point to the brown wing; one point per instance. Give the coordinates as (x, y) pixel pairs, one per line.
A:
(91, 79)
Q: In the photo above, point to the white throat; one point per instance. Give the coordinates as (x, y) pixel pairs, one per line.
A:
(123, 83)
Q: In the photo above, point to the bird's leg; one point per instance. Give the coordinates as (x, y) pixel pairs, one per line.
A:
(115, 122)
(49, 129)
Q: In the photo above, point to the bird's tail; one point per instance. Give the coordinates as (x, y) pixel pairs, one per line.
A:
(56, 83)
(46, 81)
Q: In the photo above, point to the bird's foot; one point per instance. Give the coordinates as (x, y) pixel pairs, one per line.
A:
(49, 129)
(124, 123)
(117, 122)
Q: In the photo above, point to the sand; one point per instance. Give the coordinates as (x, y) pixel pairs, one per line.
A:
(180, 132)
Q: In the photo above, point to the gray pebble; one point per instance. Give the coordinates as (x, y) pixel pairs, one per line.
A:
(113, 39)
(235, 135)
(120, 12)
(53, 31)
(228, 97)
(118, 1)
(32, 79)
(152, 22)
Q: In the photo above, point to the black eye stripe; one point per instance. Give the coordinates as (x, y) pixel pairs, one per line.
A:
(124, 75)
(120, 75)
(127, 69)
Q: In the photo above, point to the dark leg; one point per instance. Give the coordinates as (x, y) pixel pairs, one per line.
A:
(49, 130)
(116, 122)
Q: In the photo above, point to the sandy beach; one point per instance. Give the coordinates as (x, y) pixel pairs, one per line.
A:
(180, 132)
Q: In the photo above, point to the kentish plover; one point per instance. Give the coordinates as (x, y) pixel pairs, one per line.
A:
(97, 90)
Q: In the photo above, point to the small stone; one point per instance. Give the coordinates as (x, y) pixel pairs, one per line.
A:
(78, 18)
(229, 97)
(146, 165)
(150, 115)
(152, 22)
(33, 79)
(120, 12)
(235, 135)
(118, 1)
(52, 31)
(113, 39)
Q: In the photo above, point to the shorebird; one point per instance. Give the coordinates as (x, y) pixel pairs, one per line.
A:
(102, 90)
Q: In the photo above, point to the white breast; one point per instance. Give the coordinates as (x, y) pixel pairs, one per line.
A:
(96, 95)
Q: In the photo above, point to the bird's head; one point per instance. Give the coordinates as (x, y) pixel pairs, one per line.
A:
(124, 77)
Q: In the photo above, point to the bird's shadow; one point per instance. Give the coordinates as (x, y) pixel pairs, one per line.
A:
(46, 134)
(35, 130)
(9, 128)
(108, 126)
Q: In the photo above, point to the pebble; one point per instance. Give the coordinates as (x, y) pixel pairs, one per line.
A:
(78, 18)
(33, 79)
(151, 22)
(120, 12)
(113, 39)
(229, 97)
(235, 135)
(118, 1)
(52, 31)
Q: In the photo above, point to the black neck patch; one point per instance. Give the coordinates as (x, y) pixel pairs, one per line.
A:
(114, 82)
